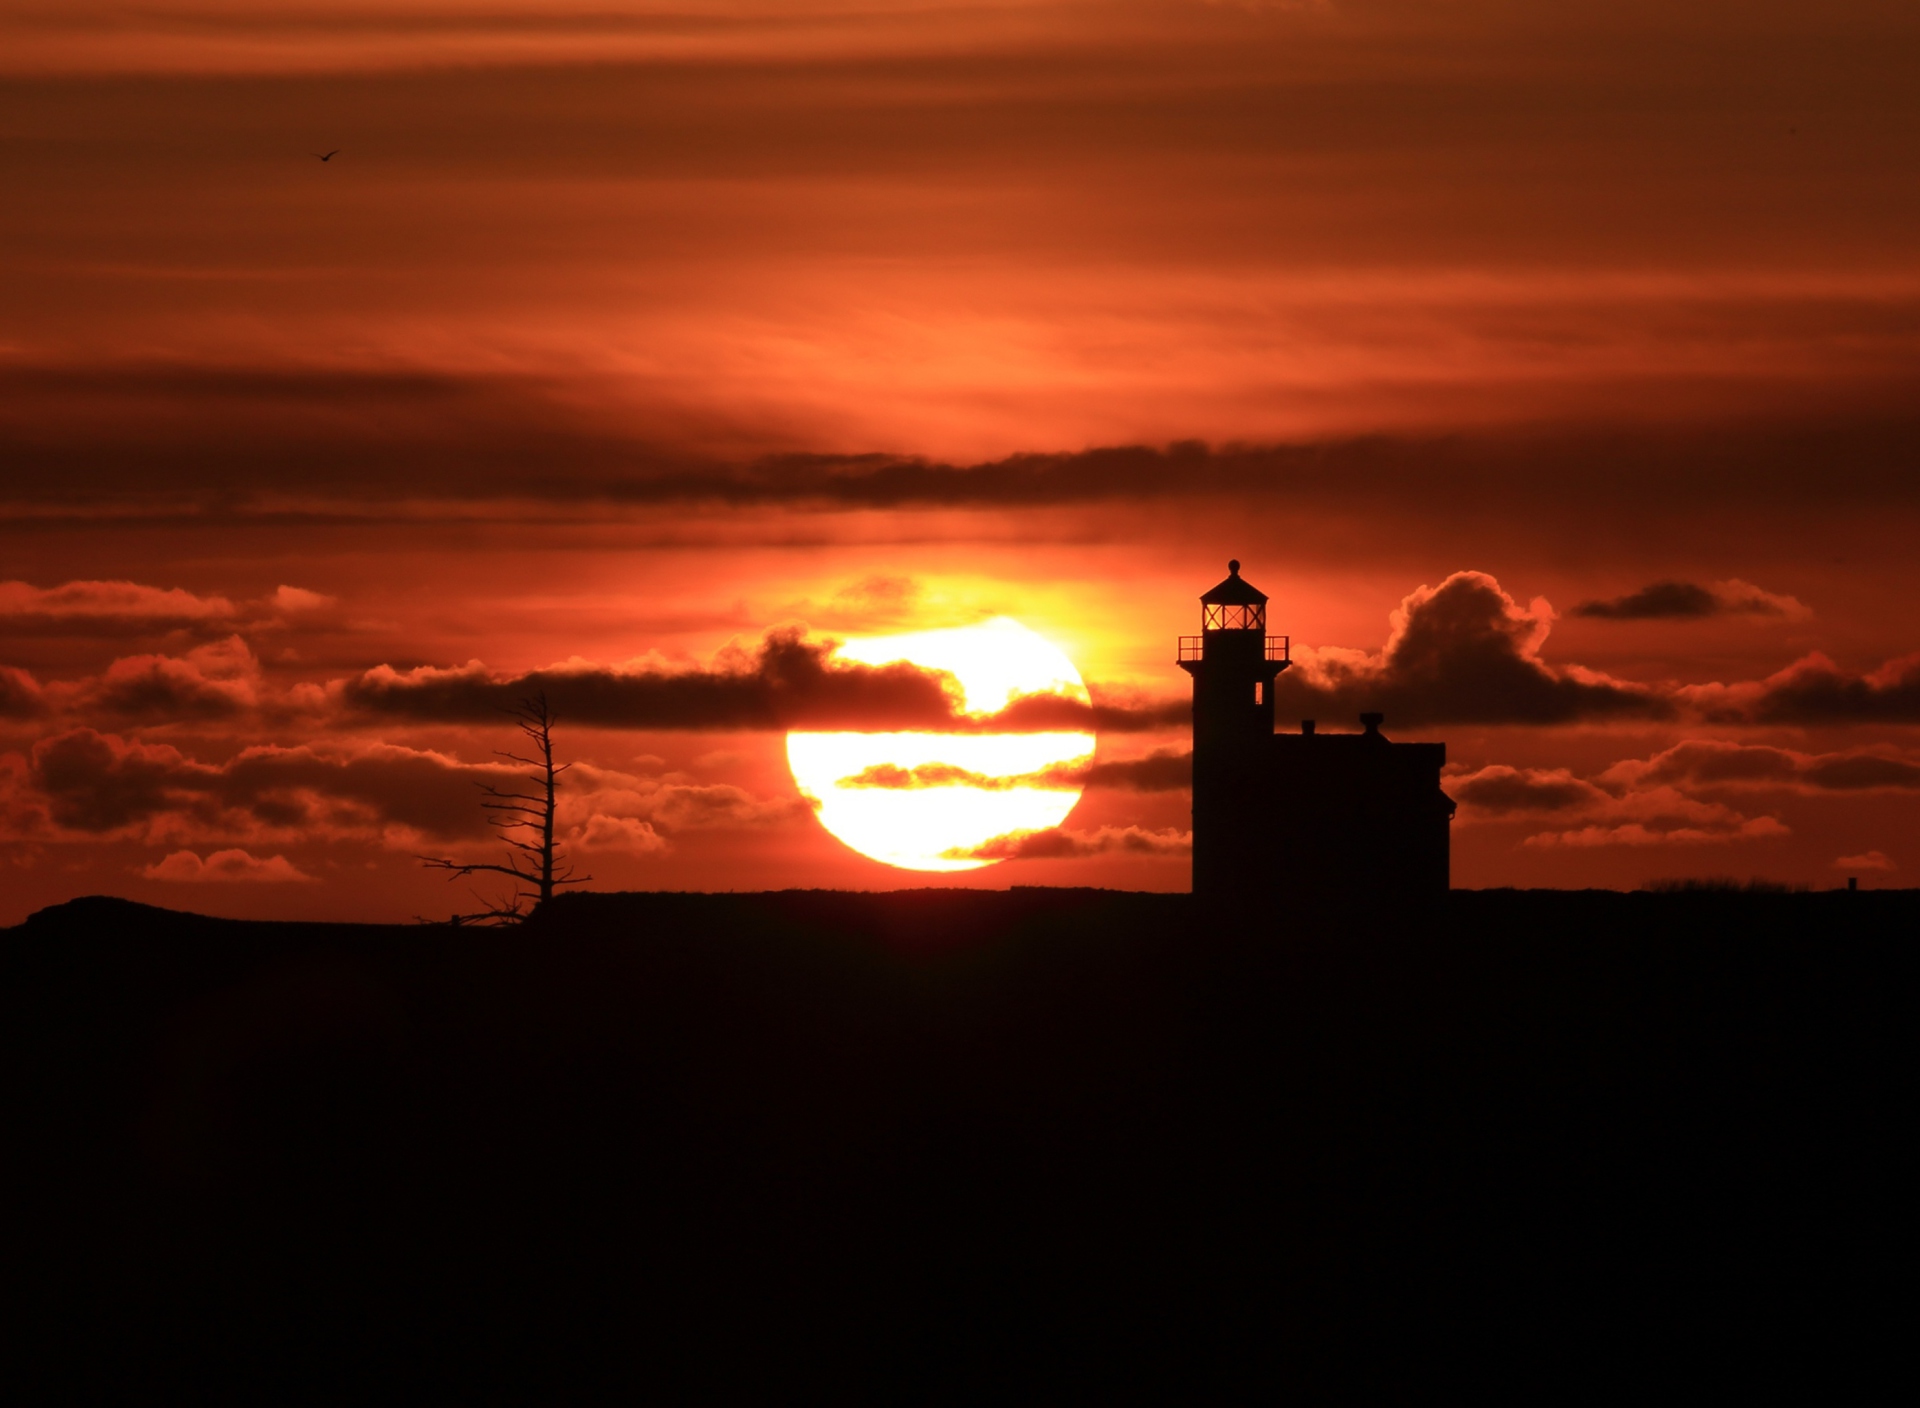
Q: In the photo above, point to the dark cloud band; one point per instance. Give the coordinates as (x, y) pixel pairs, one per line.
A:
(789, 681)
(209, 439)
(1689, 601)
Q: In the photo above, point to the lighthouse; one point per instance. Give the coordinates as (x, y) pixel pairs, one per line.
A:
(1348, 817)
(1234, 663)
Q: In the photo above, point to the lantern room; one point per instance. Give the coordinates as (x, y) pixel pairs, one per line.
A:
(1233, 622)
(1235, 605)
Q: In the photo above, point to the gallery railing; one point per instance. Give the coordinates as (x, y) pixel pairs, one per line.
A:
(1194, 648)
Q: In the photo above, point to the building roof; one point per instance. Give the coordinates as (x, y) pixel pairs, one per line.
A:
(1235, 591)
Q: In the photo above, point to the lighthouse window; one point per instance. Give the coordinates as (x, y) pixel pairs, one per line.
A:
(1259, 692)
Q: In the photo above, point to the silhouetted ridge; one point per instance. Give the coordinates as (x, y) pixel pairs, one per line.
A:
(90, 913)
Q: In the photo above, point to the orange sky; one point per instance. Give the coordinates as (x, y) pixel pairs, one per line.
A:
(614, 334)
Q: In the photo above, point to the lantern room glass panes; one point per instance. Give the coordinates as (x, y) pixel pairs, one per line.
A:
(1234, 618)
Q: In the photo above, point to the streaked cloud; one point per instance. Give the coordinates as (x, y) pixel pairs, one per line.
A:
(1059, 843)
(1689, 601)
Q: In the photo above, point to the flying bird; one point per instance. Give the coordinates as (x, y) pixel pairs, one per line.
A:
(330, 155)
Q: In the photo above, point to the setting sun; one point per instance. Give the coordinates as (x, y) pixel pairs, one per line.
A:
(926, 801)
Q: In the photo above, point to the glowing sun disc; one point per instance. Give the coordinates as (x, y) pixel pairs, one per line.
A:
(924, 801)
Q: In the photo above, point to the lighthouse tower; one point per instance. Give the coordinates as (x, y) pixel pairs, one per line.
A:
(1234, 663)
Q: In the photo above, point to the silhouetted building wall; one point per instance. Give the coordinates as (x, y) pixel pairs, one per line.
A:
(1299, 815)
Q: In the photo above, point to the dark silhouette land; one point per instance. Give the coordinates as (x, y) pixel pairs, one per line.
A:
(940, 1143)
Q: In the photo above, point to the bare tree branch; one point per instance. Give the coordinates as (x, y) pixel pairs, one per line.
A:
(525, 812)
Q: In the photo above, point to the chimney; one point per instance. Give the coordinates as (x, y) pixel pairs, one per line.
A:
(1372, 722)
(1853, 882)
(1306, 727)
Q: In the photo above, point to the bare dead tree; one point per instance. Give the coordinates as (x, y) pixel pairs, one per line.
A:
(525, 822)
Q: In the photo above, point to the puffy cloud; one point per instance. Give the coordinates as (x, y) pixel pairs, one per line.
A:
(1467, 652)
(215, 681)
(1815, 690)
(1871, 860)
(1499, 790)
(224, 866)
(1462, 652)
(1056, 843)
(1681, 601)
(617, 833)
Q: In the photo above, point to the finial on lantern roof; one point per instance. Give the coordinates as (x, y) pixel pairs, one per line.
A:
(1235, 590)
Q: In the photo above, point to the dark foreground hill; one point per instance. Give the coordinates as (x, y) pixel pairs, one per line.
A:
(943, 1143)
